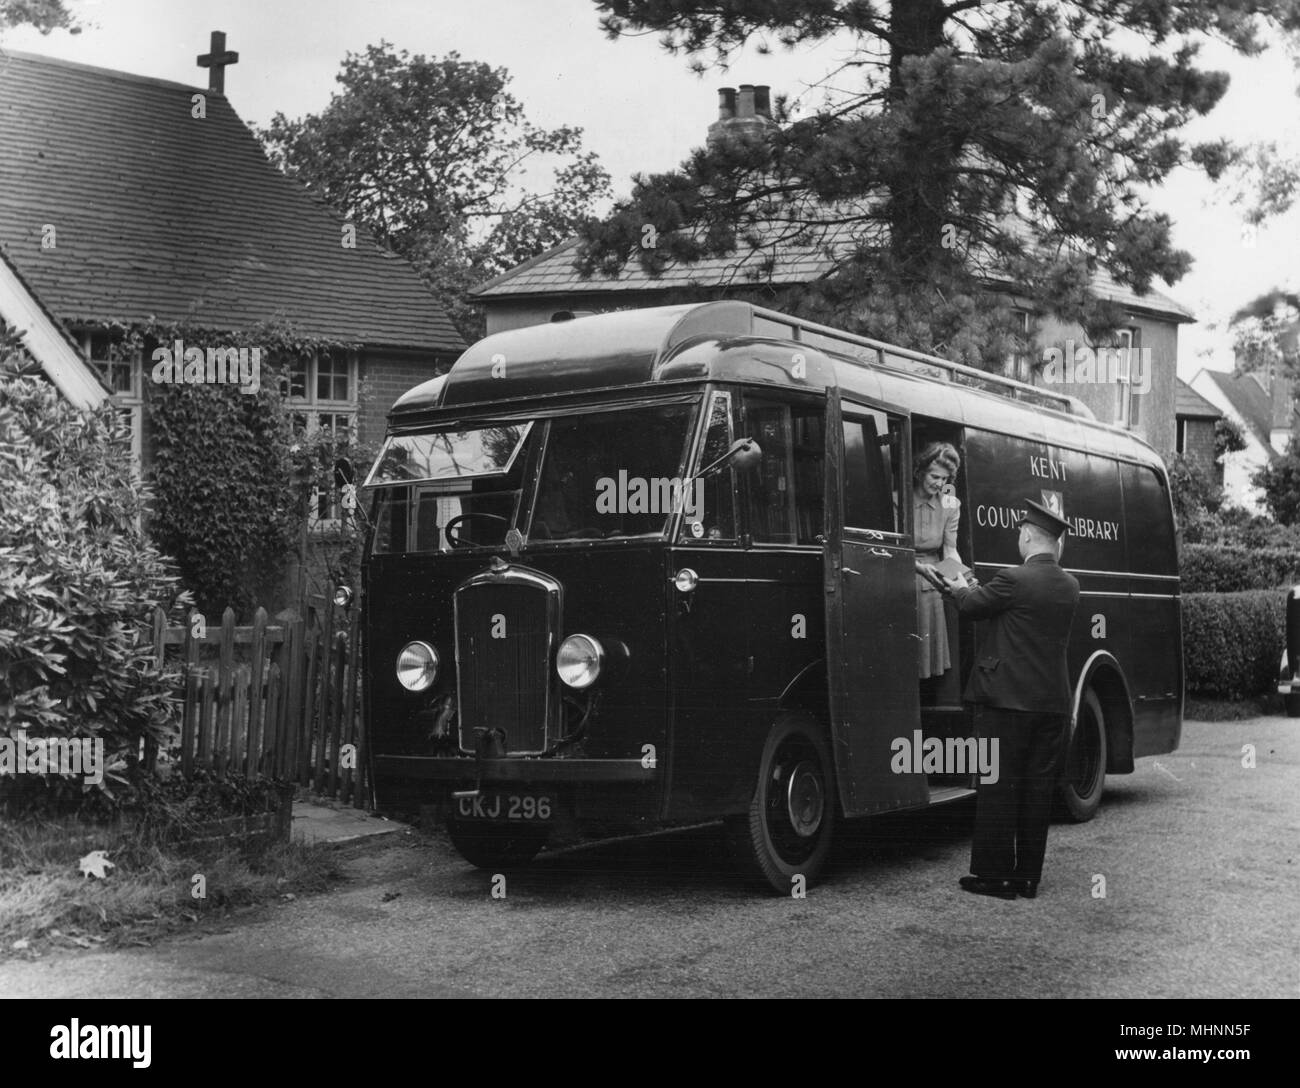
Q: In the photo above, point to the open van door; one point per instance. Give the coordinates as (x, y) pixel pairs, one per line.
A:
(870, 587)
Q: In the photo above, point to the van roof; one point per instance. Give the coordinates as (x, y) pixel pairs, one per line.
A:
(733, 340)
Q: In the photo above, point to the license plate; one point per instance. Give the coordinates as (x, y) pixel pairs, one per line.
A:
(510, 807)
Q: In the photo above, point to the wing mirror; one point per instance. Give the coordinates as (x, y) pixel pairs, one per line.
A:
(743, 454)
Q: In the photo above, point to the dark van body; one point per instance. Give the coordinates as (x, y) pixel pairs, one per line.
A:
(550, 641)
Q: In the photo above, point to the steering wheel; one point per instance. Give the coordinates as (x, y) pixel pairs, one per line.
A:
(455, 541)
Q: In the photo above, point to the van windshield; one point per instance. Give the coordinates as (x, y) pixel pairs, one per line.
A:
(586, 475)
(450, 454)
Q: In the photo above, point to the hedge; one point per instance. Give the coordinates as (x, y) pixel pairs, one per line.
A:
(1233, 642)
(1228, 568)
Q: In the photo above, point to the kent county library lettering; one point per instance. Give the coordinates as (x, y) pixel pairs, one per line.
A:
(535, 660)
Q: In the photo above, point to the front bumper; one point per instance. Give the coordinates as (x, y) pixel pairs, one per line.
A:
(461, 769)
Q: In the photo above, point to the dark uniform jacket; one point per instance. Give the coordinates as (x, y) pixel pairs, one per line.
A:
(1020, 662)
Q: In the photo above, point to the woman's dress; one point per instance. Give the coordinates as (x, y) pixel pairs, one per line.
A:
(936, 526)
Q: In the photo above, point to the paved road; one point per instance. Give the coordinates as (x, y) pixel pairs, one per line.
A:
(1199, 855)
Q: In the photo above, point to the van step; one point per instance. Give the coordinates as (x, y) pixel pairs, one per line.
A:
(946, 794)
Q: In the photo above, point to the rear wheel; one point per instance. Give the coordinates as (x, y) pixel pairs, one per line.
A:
(787, 831)
(1085, 764)
(494, 846)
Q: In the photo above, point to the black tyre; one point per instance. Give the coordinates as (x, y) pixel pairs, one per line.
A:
(1292, 705)
(1084, 780)
(787, 831)
(495, 846)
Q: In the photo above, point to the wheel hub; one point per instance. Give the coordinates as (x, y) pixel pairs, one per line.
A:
(805, 799)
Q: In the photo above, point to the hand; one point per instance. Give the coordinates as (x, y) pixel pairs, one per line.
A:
(955, 584)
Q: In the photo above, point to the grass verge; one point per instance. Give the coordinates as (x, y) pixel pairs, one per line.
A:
(46, 902)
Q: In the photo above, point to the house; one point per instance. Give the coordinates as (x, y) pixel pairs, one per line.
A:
(1137, 391)
(1196, 420)
(136, 202)
(1262, 410)
(47, 341)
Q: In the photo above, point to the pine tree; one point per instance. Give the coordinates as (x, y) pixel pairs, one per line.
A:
(961, 145)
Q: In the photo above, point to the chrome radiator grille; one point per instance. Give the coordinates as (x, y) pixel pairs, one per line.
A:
(506, 625)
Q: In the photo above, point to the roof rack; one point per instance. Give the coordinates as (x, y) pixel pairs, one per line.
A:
(878, 353)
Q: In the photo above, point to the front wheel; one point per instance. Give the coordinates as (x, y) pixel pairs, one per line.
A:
(1085, 764)
(495, 846)
(787, 831)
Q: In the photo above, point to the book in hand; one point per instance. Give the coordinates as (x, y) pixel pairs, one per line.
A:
(948, 568)
(951, 568)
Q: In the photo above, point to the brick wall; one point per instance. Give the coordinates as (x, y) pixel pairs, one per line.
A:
(385, 376)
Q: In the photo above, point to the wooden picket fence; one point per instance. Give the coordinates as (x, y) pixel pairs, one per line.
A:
(287, 708)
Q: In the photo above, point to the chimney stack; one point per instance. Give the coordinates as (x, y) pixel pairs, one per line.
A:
(744, 114)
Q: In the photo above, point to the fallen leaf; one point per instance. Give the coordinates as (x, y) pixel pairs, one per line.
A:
(96, 864)
(21, 946)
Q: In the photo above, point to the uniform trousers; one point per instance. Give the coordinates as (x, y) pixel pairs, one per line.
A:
(1012, 814)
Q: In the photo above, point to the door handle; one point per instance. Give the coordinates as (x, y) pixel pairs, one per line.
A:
(881, 553)
(850, 570)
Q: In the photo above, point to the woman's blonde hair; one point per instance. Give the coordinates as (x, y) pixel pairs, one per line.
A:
(943, 454)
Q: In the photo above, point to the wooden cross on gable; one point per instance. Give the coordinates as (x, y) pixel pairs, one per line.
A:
(216, 60)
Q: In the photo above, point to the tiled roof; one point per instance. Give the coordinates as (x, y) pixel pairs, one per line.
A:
(1251, 402)
(553, 273)
(1189, 403)
(159, 214)
(1156, 301)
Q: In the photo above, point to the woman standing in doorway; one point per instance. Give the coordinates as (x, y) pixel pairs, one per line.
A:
(937, 512)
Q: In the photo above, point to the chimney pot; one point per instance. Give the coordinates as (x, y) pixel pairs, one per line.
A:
(746, 103)
(763, 100)
(726, 103)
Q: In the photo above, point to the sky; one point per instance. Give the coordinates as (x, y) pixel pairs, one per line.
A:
(642, 110)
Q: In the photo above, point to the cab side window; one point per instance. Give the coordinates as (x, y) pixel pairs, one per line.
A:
(717, 518)
(786, 492)
(873, 471)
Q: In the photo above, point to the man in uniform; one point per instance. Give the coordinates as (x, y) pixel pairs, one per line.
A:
(1020, 686)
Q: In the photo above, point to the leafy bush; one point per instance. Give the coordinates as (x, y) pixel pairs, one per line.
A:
(1190, 489)
(79, 579)
(1232, 642)
(1280, 482)
(1231, 568)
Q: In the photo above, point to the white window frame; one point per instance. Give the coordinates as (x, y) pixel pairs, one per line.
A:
(312, 408)
(1018, 363)
(1126, 342)
(128, 402)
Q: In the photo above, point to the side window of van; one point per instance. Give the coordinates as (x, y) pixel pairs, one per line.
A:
(786, 492)
(717, 518)
(873, 469)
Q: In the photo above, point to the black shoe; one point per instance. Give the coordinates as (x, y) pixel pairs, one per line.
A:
(1026, 889)
(1003, 889)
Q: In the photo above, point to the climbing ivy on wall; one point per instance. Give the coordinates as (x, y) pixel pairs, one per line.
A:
(228, 477)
